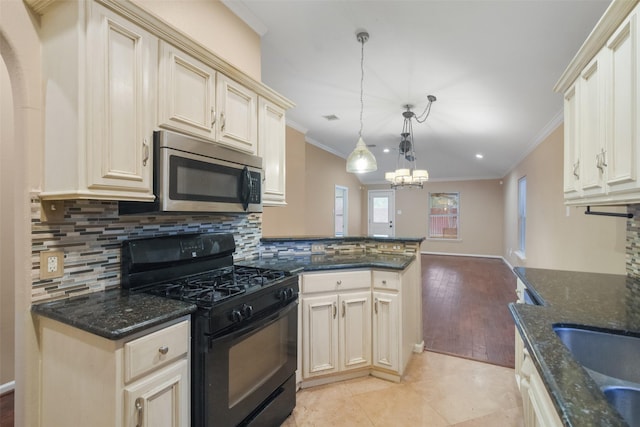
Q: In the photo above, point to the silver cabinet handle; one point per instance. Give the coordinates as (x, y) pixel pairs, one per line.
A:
(344, 308)
(224, 121)
(375, 306)
(163, 350)
(145, 152)
(213, 117)
(339, 282)
(335, 310)
(576, 167)
(139, 411)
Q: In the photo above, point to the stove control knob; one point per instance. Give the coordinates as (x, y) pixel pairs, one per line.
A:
(290, 293)
(247, 310)
(282, 295)
(236, 316)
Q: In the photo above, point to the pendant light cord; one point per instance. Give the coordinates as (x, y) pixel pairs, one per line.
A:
(362, 40)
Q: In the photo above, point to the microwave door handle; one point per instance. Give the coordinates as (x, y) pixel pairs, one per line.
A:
(245, 188)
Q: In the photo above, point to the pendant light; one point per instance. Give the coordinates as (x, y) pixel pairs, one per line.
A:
(361, 160)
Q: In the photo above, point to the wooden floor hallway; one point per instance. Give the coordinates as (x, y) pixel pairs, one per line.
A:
(465, 309)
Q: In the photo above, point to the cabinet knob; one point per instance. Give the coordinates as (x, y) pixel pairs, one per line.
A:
(339, 282)
(384, 282)
(163, 350)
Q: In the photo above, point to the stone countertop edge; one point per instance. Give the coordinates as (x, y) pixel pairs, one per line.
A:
(310, 263)
(345, 239)
(576, 396)
(114, 314)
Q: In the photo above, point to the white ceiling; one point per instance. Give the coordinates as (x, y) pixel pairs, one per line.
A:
(491, 64)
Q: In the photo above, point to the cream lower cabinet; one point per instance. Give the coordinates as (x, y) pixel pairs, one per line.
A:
(88, 380)
(100, 81)
(386, 330)
(537, 406)
(336, 322)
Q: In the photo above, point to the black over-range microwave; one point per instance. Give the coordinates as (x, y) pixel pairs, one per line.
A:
(193, 175)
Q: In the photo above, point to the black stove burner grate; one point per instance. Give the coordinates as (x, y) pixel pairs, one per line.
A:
(212, 287)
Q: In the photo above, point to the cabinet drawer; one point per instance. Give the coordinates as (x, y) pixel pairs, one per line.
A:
(155, 350)
(336, 281)
(386, 280)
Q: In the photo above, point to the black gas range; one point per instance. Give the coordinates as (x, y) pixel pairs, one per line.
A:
(244, 332)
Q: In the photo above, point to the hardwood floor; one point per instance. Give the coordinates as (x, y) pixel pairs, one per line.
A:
(6, 409)
(465, 308)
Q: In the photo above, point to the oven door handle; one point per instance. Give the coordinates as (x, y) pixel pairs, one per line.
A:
(256, 324)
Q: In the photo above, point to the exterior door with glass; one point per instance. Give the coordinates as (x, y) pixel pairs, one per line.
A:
(381, 213)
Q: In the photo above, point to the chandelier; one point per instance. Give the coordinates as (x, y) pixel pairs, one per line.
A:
(361, 160)
(407, 175)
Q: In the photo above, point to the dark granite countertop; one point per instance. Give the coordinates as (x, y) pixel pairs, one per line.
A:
(298, 264)
(341, 239)
(596, 301)
(114, 314)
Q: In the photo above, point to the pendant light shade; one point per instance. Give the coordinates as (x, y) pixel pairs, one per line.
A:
(361, 160)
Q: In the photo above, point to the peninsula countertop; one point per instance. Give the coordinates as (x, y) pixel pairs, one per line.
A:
(595, 301)
(318, 262)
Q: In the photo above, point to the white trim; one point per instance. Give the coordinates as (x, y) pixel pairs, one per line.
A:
(5, 388)
(457, 254)
(295, 125)
(325, 147)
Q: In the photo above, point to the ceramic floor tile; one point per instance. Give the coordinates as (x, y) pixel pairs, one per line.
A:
(437, 391)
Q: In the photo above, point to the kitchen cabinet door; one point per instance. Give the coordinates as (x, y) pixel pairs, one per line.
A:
(355, 330)
(320, 335)
(237, 120)
(272, 149)
(386, 331)
(571, 147)
(623, 151)
(122, 82)
(592, 116)
(186, 95)
(537, 406)
(159, 400)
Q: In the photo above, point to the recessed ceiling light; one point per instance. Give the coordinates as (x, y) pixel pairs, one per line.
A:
(479, 156)
(386, 150)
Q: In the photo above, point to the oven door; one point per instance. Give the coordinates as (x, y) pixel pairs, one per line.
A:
(250, 373)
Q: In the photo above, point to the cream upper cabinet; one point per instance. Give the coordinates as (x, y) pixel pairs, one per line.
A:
(622, 157)
(186, 93)
(100, 82)
(571, 147)
(272, 149)
(601, 105)
(237, 115)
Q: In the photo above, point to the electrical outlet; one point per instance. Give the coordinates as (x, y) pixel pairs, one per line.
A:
(317, 247)
(51, 264)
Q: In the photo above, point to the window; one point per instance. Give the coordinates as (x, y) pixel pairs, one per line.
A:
(522, 215)
(340, 211)
(444, 215)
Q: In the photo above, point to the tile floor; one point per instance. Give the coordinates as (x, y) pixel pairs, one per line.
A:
(438, 390)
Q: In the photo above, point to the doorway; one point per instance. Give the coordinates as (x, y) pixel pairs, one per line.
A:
(340, 211)
(382, 213)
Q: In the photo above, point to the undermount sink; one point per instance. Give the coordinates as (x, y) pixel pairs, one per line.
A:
(627, 401)
(611, 354)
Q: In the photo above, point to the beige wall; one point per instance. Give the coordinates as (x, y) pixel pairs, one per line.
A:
(20, 51)
(481, 216)
(312, 174)
(555, 240)
(213, 25)
(289, 220)
(7, 294)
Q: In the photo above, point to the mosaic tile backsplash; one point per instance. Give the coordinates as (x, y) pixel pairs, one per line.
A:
(633, 242)
(92, 233)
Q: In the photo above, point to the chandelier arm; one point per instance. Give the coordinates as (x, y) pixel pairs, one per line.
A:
(423, 116)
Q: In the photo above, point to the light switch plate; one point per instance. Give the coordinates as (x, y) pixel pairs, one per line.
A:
(51, 264)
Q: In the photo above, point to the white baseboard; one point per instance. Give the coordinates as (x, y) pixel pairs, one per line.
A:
(5, 388)
(418, 348)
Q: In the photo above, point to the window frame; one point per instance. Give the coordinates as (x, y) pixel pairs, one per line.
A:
(431, 216)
